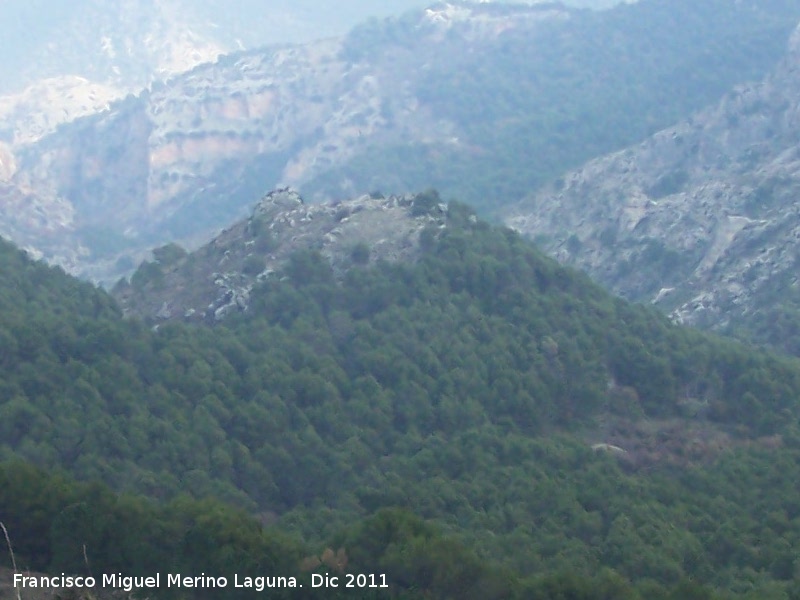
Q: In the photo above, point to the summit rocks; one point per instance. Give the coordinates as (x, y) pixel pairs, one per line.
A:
(216, 280)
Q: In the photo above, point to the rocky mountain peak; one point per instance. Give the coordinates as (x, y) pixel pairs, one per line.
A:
(276, 201)
(217, 279)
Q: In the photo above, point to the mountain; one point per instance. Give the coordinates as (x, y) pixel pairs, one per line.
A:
(219, 277)
(134, 42)
(538, 422)
(137, 41)
(700, 219)
(482, 101)
(64, 60)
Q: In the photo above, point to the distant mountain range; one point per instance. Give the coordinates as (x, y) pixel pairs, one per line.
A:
(63, 60)
(134, 41)
(484, 101)
(131, 43)
(387, 383)
(701, 219)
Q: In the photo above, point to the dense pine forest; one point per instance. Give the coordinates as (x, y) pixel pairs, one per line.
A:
(479, 424)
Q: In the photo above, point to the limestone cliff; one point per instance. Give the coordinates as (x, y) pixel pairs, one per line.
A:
(184, 158)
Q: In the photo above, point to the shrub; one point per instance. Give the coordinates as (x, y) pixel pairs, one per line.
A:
(360, 253)
(425, 203)
(253, 265)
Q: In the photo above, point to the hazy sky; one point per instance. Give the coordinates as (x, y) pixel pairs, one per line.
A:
(45, 38)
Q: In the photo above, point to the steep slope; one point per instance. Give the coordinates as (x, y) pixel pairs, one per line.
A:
(700, 219)
(484, 101)
(64, 60)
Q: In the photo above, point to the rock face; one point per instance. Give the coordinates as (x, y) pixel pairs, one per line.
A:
(701, 219)
(216, 280)
(64, 61)
(185, 157)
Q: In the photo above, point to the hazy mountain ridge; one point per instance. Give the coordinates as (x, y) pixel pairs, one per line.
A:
(484, 101)
(700, 219)
(129, 47)
(134, 42)
(63, 60)
(187, 156)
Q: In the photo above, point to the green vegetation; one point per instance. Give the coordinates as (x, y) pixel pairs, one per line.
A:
(54, 521)
(776, 324)
(360, 254)
(433, 420)
(169, 254)
(253, 265)
(425, 203)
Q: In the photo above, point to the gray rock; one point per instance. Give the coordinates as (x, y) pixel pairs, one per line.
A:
(700, 219)
(276, 202)
(383, 224)
(164, 312)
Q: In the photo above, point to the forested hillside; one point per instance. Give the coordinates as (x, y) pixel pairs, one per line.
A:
(550, 436)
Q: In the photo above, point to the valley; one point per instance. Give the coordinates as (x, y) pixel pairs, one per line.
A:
(484, 102)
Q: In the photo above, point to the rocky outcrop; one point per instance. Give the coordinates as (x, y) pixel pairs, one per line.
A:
(216, 280)
(700, 219)
(275, 202)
